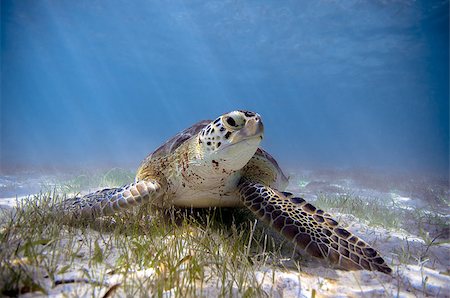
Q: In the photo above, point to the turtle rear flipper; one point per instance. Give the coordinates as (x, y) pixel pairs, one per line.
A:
(311, 229)
(111, 200)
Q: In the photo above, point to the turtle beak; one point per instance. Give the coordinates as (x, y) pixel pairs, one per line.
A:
(253, 128)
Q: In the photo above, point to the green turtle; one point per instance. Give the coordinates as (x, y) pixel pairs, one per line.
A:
(219, 164)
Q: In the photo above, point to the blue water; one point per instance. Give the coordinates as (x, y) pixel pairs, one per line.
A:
(338, 83)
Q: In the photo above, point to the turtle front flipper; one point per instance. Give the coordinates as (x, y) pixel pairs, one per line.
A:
(310, 229)
(111, 200)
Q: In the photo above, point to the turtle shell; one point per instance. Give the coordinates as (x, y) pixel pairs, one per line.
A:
(172, 144)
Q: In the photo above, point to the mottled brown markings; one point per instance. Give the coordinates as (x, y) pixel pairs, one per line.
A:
(134, 192)
(308, 232)
(354, 258)
(369, 252)
(364, 264)
(344, 251)
(353, 239)
(314, 250)
(216, 164)
(122, 203)
(309, 208)
(343, 243)
(290, 231)
(333, 256)
(324, 248)
(269, 208)
(255, 199)
(302, 240)
(326, 240)
(318, 218)
(342, 232)
(331, 221)
(263, 213)
(297, 200)
(358, 251)
(278, 223)
(349, 264)
(289, 221)
(276, 213)
(249, 191)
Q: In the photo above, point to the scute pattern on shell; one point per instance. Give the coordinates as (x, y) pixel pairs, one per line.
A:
(171, 145)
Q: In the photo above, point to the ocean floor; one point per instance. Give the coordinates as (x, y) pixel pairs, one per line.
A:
(145, 254)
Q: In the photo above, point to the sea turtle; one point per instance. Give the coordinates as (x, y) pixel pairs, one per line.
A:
(219, 164)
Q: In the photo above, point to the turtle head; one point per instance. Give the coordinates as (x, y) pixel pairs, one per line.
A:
(231, 140)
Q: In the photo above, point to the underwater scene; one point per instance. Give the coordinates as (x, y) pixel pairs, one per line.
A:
(224, 148)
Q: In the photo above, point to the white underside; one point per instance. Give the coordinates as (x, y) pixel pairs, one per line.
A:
(215, 193)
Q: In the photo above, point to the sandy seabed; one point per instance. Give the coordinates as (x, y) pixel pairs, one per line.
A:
(419, 277)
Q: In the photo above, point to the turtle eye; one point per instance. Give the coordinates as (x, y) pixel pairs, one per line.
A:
(231, 121)
(234, 122)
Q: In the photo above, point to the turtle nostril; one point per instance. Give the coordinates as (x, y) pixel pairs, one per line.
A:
(258, 120)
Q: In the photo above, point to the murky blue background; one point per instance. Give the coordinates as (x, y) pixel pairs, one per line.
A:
(338, 83)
